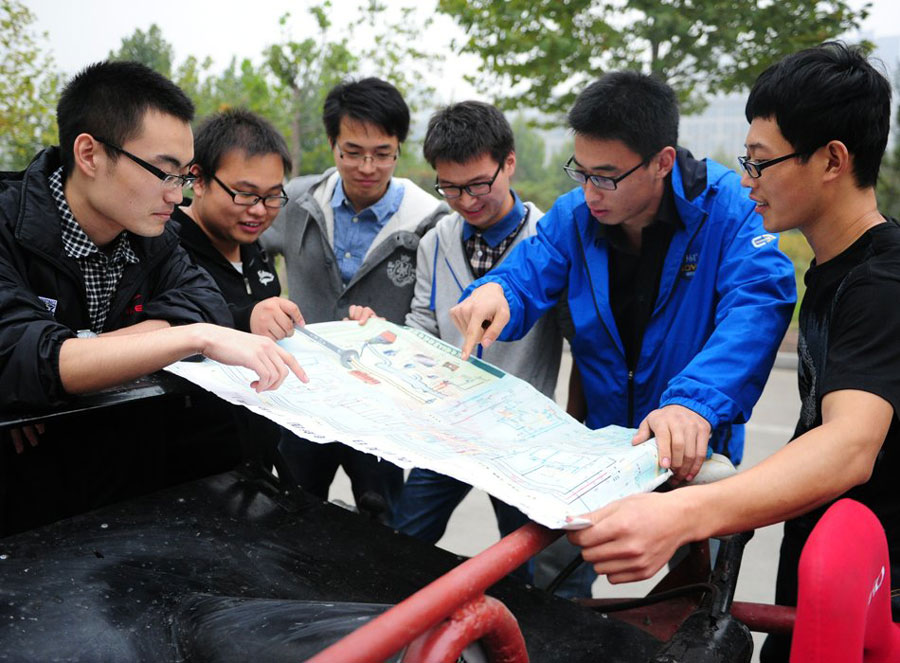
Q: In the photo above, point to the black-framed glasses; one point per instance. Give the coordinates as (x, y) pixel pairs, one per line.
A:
(475, 189)
(246, 199)
(169, 180)
(599, 181)
(755, 168)
(380, 159)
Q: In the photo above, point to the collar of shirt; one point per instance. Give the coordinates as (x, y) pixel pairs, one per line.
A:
(500, 230)
(666, 216)
(75, 241)
(383, 210)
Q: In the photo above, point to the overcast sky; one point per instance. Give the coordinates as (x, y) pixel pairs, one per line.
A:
(84, 31)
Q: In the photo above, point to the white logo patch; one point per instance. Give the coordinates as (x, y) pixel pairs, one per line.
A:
(265, 277)
(50, 304)
(761, 240)
(878, 582)
(401, 272)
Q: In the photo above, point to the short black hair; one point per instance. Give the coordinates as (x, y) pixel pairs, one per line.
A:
(637, 109)
(466, 130)
(829, 92)
(237, 129)
(109, 99)
(369, 100)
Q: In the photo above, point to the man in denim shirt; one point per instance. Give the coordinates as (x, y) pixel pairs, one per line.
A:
(350, 236)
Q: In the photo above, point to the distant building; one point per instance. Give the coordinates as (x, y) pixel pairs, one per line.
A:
(719, 131)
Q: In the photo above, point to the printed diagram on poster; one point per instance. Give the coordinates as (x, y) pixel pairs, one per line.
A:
(407, 397)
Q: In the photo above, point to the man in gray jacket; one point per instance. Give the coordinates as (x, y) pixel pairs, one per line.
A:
(472, 149)
(349, 236)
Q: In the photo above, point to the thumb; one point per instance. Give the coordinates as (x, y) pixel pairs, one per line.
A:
(294, 311)
(643, 433)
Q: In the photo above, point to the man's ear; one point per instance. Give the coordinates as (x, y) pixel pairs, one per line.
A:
(509, 164)
(837, 159)
(200, 184)
(89, 155)
(666, 161)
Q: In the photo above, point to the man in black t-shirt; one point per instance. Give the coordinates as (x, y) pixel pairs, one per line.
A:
(819, 123)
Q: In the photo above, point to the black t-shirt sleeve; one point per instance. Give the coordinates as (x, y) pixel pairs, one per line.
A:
(864, 339)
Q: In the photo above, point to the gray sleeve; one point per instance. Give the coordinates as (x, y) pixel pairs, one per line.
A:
(421, 315)
(273, 239)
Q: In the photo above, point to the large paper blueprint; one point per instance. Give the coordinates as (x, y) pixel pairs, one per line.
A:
(406, 396)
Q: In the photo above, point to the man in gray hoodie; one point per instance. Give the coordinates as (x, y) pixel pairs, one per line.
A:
(472, 149)
(349, 236)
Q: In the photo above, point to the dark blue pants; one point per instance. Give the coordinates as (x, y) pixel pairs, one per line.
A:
(428, 500)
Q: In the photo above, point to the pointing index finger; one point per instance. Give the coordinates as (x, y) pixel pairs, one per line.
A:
(474, 332)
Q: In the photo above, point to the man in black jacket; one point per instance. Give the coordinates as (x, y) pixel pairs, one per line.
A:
(240, 161)
(95, 291)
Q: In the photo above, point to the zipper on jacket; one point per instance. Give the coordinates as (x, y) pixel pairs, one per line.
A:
(247, 285)
(632, 369)
(630, 398)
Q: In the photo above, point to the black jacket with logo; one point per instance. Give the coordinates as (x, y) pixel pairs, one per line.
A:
(42, 291)
(242, 291)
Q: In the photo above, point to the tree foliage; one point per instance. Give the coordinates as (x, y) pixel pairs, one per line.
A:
(539, 176)
(540, 53)
(288, 85)
(29, 87)
(305, 71)
(148, 48)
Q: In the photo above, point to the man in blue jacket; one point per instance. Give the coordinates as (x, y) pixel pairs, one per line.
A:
(679, 297)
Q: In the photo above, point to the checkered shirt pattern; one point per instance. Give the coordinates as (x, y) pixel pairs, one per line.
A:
(482, 255)
(101, 272)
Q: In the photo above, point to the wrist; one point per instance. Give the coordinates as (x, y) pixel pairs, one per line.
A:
(195, 340)
(697, 512)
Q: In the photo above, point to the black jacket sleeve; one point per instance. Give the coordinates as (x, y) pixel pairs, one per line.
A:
(30, 339)
(183, 293)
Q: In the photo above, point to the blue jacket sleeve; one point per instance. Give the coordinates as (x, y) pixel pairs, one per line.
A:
(536, 271)
(756, 296)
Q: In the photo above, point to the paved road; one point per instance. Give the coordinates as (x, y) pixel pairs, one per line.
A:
(473, 528)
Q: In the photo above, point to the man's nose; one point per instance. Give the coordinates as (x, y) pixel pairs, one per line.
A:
(368, 164)
(591, 192)
(174, 195)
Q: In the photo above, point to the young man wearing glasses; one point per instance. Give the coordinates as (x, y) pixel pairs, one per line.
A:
(95, 291)
(240, 162)
(819, 123)
(472, 149)
(349, 237)
(678, 296)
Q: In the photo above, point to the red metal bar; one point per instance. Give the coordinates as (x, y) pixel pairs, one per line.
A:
(764, 618)
(390, 632)
(484, 619)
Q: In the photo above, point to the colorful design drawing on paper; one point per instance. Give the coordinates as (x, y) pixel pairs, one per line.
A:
(407, 397)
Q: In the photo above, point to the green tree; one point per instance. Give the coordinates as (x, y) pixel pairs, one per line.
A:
(29, 88)
(531, 150)
(539, 177)
(377, 43)
(540, 53)
(305, 70)
(290, 85)
(149, 48)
